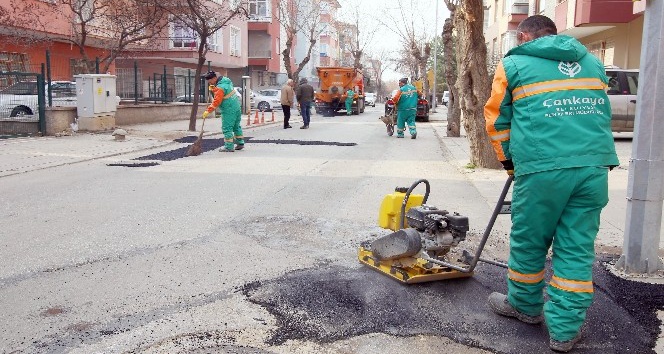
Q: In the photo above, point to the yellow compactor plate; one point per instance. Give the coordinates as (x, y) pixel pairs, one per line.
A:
(412, 271)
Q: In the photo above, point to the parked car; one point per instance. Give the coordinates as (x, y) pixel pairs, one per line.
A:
(422, 107)
(190, 98)
(267, 100)
(622, 89)
(446, 98)
(21, 98)
(370, 99)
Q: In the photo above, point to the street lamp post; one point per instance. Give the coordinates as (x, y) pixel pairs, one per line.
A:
(435, 59)
(645, 187)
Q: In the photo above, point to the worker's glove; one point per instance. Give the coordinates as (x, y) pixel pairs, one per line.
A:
(205, 114)
(211, 87)
(508, 166)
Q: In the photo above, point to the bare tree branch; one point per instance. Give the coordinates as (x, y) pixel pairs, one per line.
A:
(204, 18)
(298, 16)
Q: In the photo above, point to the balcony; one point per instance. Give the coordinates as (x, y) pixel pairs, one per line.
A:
(166, 44)
(260, 54)
(518, 12)
(604, 11)
(260, 18)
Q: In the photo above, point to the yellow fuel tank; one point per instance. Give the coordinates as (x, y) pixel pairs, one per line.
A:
(390, 209)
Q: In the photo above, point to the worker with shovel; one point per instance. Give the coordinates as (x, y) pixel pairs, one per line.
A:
(549, 121)
(231, 112)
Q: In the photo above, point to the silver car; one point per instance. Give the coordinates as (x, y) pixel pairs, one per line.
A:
(622, 89)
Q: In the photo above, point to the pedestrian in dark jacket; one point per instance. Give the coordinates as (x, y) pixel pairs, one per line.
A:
(305, 95)
(549, 121)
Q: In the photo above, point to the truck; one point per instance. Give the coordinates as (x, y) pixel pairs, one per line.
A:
(334, 83)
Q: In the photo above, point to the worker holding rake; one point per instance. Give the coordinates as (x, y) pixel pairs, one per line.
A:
(231, 112)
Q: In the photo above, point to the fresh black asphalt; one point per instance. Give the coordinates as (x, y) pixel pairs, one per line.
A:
(327, 304)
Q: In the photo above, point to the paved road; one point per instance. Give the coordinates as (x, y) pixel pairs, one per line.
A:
(255, 252)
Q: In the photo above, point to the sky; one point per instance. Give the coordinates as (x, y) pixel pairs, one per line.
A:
(379, 13)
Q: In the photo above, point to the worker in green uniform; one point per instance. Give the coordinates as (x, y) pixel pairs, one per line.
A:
(549, 121)
(350, 96)
(231, 112)
(406, 101)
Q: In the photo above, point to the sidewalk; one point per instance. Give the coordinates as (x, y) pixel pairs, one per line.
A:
(29, 154)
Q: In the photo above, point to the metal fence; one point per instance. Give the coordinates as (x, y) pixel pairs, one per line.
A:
(162, 87)
(22, 102)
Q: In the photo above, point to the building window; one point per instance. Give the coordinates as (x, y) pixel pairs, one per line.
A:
(495, 11)
(508, 7)
(597, 49)
(259, 8)
(182, 36)
(235, 44)
(216, 42)
(508, 41)
(14, 62)
(261, 78)
(541, 6)
(324, 8)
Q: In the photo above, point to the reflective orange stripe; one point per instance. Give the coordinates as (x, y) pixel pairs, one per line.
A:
(557, 85)
(492, 112)
(575, 286)
(525, 278)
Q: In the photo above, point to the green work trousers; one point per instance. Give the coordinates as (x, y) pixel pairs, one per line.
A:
(406, 117)
(349, 107)
(558, 209)
(231, 127)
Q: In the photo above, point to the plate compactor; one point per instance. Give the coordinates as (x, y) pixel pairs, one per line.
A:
(423, 246)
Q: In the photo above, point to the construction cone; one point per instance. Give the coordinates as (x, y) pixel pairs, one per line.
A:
(263, 117)
(256, 118)
(272, 116)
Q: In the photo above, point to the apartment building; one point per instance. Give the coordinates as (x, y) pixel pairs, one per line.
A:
(174, 54)
(265, 40)
(326, 51)
(39, 26)
(610, 29)
(347, 37)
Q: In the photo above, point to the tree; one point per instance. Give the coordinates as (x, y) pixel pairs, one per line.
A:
(380, 63)
(109, 25)
(474, 84)
(296, 16)
(204, 18)
(414, 45)
(356, 35)
(449, 47)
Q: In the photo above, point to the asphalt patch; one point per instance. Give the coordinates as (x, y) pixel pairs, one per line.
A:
(133, 164)
(328, 304)
(213, 144)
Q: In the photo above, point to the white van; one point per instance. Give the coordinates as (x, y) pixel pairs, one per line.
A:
(446, 97)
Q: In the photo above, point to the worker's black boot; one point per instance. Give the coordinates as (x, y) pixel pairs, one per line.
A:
(564, 346)
(499, 304)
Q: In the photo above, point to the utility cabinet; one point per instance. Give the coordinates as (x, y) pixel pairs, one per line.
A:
(95, 94)
(96, 101)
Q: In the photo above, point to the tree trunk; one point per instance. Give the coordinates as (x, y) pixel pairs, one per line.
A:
(197, 87)
(453, 111)
(474, 84)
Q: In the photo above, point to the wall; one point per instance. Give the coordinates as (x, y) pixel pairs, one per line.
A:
(59, 119)
(627, 39)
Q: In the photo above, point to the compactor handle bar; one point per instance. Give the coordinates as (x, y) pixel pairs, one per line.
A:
(487, 231)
